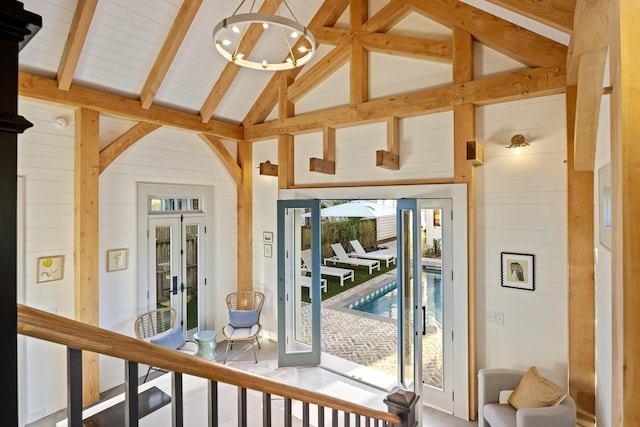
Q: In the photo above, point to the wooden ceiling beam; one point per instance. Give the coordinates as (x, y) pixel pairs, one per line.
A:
(391, 44)
(557, 14)
(512, 40)
(167, 53)
(225, 157)
(124, 141)
(589, 95)
(75, 42)
(524, 84)
(328, 65)
(392, 13)
(44, 89)
(590, 32)
(231, 70)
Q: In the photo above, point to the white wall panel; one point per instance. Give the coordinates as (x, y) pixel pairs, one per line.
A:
(521, 208)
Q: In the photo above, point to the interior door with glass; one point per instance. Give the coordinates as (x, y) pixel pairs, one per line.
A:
(299, 298)
(176, 260)
(425, 254)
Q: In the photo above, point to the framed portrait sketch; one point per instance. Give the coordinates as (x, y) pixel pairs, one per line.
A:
(267, 250)
(267, 236)
(50, 268)
(116, 259)
(517, 271)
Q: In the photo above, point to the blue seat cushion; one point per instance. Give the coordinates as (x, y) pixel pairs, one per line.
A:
(173, 339)
(243, 318)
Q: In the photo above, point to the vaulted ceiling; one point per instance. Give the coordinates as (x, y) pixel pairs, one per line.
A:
(153, 62)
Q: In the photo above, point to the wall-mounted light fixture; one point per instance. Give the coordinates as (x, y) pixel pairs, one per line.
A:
(517, 142)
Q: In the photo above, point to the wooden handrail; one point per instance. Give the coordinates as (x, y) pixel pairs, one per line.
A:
(71, 333)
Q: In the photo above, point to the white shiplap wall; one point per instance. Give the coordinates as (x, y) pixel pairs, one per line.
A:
(521, 208)
(45, 159)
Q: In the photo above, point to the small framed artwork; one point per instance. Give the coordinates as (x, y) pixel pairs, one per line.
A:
(267, 236)
(50, 268)
(117, 259)
(517, 271)
(267, 250)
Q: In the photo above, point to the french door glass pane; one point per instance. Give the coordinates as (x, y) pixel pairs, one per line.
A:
(192, 251)
(432, 337)
(163, 266)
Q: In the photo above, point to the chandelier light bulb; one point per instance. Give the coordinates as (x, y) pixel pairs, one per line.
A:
(235, 29)
(226, 42)
(294, 35)
(518, 150)
(265, 25)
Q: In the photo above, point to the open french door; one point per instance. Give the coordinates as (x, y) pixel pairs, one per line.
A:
(425, 298)
(299, 304)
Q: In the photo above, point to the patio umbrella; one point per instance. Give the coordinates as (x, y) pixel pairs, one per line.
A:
(357, 209)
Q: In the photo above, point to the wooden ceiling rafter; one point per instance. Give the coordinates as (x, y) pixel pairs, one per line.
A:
(322, 69)
(75, 42)
(387, 17)
(557, 14)
(523, 84)
(44, 89)
(509, 39)
(413, 47)
(586, 62)
(231, 70)
(225, 157)
(166, 55)
(124, 141)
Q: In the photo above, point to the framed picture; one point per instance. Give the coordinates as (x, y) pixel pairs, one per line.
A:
(50, 268)
(267, 250)
(267, 236)
(517, 271)
(116, 259)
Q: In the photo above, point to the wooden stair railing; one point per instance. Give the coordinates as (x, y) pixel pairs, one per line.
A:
(78, 337)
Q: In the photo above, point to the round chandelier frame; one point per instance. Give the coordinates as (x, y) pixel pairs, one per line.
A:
(293, 33)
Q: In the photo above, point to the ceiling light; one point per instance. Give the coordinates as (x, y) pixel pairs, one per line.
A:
(517, 142)
(229, 33)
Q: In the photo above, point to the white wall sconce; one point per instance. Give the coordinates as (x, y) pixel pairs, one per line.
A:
(517, 142)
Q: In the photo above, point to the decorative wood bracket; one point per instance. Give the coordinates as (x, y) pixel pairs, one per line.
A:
(328, 162)
(266, 168)
(390, 159)
(475, 153)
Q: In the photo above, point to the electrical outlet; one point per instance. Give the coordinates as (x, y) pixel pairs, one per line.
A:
(495, 317)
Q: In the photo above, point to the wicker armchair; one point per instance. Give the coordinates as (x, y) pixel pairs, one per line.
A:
(155, 324)
(244, 325)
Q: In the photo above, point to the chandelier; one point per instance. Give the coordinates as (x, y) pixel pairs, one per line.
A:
(294, 40)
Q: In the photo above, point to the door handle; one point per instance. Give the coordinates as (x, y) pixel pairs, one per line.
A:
(174, 285)
(424, 320)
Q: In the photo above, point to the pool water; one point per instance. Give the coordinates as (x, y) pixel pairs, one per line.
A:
(383, 302)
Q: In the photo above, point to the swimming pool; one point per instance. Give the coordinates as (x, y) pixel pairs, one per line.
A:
(383, 301)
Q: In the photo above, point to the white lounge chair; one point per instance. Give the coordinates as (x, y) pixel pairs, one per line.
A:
(306, 282)
(341, 273)
(379, 255)
(343, 257)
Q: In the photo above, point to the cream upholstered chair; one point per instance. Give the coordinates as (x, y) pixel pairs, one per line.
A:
(244, 325)
(157, 327)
